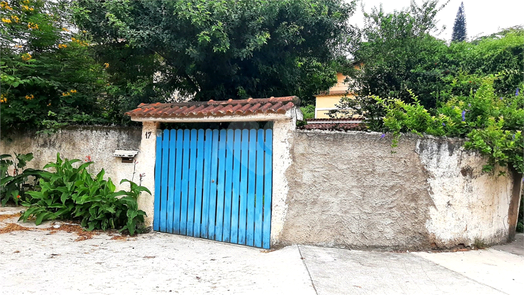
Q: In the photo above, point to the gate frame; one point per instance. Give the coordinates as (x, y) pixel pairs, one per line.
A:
(284, 124)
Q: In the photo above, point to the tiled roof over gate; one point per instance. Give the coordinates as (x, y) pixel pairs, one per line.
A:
(251, 106)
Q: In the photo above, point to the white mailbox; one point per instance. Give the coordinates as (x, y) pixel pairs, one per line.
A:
(127, 156)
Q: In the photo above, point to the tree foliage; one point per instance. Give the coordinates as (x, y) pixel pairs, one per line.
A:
(490, 123)
(217, 49)
(459, 28)
(398, 55)
(48, 75)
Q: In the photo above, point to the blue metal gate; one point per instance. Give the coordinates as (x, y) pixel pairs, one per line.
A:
(215, 184)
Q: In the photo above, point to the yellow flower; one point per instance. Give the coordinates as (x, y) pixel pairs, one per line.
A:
(29, 97)
(106, 65)
(4, 4)
(65, 29)
(73, 91)
(15, 18)
(73, 39)
(84, 32)
(49, 104)
(62, 46)
(3, 98)
(25, 7)
(31, 25)
(26, 56)
(6, 20)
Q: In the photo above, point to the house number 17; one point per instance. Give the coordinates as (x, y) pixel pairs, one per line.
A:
(148, 135)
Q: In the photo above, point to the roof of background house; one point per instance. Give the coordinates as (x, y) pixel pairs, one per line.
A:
(334, 93)
(251, 106)
(335, 124)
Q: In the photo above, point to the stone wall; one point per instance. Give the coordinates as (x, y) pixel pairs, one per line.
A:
(98, 142)
(354, 190)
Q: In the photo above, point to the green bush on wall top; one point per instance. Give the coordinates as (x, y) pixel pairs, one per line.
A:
(71, 193)
(491, 124)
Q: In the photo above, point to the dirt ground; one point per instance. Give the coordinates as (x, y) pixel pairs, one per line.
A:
(59, 258)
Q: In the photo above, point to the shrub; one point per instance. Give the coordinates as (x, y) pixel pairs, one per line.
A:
(490, 123)
(71, 193)
(14, 186)
(308, 111)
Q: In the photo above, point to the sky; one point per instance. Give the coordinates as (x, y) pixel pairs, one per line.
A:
(483, 17)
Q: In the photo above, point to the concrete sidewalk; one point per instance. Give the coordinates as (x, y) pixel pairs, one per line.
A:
(490, 271)
(44, 260)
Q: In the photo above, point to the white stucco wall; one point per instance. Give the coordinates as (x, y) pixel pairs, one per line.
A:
(468, 204)
(353, 190)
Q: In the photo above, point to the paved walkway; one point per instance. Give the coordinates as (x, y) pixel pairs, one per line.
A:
(50, 261)
(490, 271)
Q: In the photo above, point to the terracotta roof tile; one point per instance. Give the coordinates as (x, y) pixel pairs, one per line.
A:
(254, 108)
(286, 107)
(243, 109)
(236, 108)
(215, 108)
(276, 106)
(265, 107)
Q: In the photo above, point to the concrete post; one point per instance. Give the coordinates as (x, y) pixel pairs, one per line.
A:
(146, 167)
(282, 143)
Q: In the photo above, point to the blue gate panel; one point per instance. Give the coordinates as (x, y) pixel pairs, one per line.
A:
(215, 184)
(178, 180)
(171, 182)
(235, 199)
(199, 183)
(158, 183)
(268, 191)
(191, 187)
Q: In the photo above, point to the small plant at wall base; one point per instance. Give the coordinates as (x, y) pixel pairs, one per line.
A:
(71, 193)
(14, 186)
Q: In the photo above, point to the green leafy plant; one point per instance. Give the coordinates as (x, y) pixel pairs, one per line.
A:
(14, 186)
(491, 123)
(308, 111)
(71, 193)
(48, 73)
(480, 244)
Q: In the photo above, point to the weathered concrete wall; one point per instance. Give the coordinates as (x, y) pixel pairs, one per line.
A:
(282, 143)
(98, 142)
(354, 190)
(146, 164)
